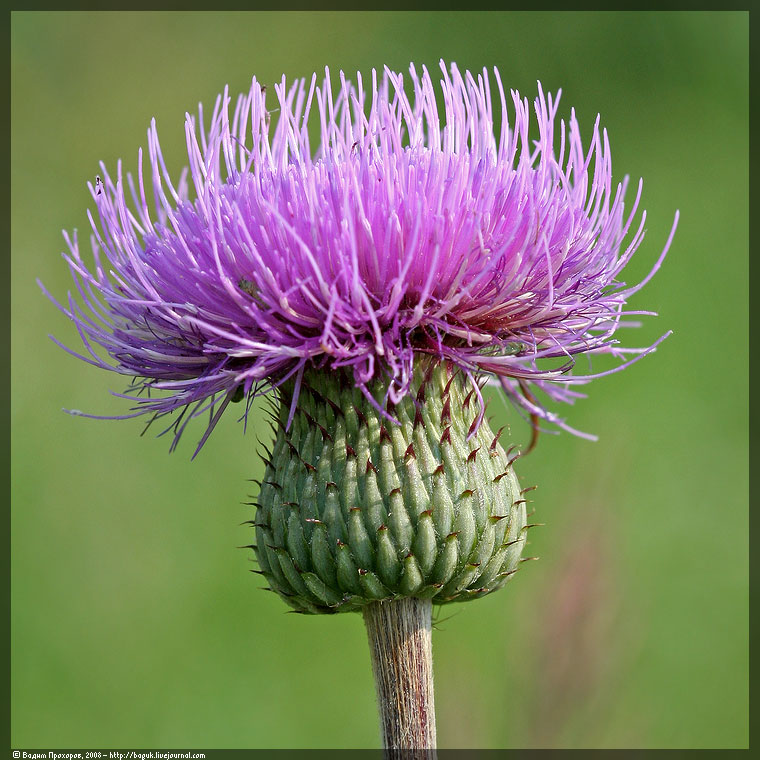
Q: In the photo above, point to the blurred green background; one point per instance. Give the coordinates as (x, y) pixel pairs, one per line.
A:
(135, 621)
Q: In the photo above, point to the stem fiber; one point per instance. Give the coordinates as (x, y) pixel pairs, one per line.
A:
(401, 647)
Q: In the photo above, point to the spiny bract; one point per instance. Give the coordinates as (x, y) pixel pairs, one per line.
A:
(355, 509)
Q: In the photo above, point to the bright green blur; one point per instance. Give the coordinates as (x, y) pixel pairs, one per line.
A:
(135, 620)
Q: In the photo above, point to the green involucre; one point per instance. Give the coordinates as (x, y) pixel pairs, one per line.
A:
(354, 508)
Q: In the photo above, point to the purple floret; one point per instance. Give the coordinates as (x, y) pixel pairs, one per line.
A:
(405, 232)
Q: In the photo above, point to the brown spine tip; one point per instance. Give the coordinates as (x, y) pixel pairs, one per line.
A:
(330, 484)
(336, 409)
(446, 436)
(384, 434)
(350, 451)
(355, 509)
(495, 440)
(447, 387)
(496, 518)
(446, 411)
(410, 451)
(395, 490)
(360, 415)
(309, 467)
(418, 418)
(370, 466)
(466, 402)
(382, 527)
(473, 425)
(471, 456)
(421, 392)
(529, 488)
(273, 484)
(439, 470)
(510, 543)
(453, 534)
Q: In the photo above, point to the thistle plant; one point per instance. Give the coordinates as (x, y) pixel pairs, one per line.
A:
(368, 289)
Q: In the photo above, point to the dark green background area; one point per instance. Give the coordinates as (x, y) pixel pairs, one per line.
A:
(135, 620)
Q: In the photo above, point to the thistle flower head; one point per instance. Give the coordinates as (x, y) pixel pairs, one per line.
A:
(411, 228)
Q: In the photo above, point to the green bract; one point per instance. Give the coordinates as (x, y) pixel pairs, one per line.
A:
(354, 508)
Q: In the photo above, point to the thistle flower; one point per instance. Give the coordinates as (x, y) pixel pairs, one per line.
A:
(374, 282)
(405, 233)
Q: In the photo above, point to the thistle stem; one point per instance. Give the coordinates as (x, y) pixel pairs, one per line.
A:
(401, 647)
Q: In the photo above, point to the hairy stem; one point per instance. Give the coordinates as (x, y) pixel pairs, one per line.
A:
(400, 643)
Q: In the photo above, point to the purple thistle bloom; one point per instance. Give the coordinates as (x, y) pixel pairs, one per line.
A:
(404, 233)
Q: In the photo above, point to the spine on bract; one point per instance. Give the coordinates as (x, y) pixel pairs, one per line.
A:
(364, 501)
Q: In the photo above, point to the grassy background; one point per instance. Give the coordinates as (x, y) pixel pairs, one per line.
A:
(135, 621)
